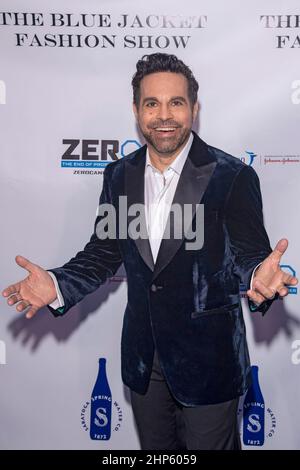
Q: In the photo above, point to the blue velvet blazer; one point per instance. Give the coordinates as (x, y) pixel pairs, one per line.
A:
(186, 305)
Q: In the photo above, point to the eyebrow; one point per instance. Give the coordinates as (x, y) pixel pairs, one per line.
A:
(153, 98)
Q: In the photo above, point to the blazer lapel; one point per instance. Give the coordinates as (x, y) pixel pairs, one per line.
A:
(134, 189)
(193, 181)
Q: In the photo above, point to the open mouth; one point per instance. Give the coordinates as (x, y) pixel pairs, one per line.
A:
(165, 130)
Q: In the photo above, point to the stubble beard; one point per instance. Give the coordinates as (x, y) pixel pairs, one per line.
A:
(167, 145)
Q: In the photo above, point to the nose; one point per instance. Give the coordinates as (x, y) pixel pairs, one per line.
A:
(165, 112)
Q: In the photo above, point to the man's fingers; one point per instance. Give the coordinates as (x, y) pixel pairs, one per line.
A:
(22, 305)
(283, 291)
(31, 312)
(255, 297)
(25, 263)
(13, 299)
(261, 288)
(12, 289)
(261, 292)
(279, 249)
(289, 279)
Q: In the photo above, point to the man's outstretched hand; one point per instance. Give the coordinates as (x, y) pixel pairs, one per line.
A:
(269, 279)
(35, 291)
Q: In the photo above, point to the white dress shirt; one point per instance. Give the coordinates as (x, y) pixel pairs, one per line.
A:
(159, 190)
(159, 193)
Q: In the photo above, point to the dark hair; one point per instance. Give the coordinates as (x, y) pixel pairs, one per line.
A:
(159, 62)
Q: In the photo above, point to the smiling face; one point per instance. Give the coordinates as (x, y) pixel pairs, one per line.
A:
(164, 113)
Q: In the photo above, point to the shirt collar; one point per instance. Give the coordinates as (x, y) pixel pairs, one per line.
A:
(177, 164)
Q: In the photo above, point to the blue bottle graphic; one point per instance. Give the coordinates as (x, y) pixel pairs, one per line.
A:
(100, 423)
(254, 413)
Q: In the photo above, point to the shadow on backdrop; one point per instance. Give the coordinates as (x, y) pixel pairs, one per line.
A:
(277, 320)
(32, 332)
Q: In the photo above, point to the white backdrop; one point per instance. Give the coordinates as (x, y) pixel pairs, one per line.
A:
(59, 81)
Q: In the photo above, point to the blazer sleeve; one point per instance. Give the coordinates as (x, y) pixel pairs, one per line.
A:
(248, 238)
(90, 268)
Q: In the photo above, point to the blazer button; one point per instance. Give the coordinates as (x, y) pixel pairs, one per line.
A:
(155, 288)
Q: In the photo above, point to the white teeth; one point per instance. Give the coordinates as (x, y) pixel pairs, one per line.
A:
(165, 129)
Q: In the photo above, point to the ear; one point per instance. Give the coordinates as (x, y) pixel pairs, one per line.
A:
(135, 110)
(195, 110)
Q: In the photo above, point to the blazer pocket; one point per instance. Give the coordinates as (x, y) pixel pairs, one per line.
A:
(214, 311)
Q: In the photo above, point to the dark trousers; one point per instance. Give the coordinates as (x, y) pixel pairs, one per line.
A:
(165, 424)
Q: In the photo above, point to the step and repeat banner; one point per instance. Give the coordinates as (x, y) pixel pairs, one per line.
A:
(65, 113)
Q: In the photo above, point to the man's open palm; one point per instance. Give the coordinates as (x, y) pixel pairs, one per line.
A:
(35, 291)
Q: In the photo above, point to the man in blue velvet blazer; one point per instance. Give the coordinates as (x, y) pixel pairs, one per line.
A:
(184, 306)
